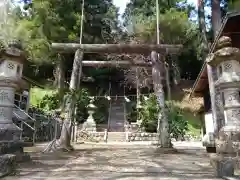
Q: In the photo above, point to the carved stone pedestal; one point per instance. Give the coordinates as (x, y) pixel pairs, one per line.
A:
(10, 154)
(9, 132)
(227, 61)
(223, 165)
(7, 164)
(90, 124)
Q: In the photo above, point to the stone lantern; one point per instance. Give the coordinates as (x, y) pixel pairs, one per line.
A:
(11, 148)
(11, 67)
(90, 124)
(227, 61)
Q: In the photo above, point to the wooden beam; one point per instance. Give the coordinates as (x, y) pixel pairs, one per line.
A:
(203, 78)
(117, 48)
(196, 94)
(115, 64)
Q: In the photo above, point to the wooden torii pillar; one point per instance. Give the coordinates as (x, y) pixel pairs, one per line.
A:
(143, 49)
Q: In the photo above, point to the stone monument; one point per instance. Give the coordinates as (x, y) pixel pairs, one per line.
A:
(90, 124)
(227, 61)
(11, 66)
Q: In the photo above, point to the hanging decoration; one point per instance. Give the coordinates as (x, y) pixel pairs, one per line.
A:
(107, 97)
(145, 98)
(126, 99)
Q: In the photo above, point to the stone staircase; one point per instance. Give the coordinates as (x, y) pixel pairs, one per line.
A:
(116, 137)
(117, 116)
(116, 131)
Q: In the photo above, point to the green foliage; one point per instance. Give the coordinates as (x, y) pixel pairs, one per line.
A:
(149, 113)
(81, 105)
(175, 28)
(101, 114)
(234, 5)
(37, 94)
(50, 102)
(45, 21)
(132, 113)
(178, 125)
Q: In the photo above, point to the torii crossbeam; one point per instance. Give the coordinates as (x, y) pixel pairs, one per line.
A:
(117, 48)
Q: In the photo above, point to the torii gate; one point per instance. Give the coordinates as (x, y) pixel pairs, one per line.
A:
(144, 49)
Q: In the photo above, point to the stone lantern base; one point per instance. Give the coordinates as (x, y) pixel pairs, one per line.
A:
(89, 126)
(9, 132)
(7, 164)
(228, 148)
(11, 153)
(223, 165)
(11, 148)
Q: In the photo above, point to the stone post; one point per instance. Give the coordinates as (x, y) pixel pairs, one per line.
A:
(139, 119)
(227, 61)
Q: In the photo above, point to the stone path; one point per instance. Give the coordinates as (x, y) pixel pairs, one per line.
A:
(116, 162)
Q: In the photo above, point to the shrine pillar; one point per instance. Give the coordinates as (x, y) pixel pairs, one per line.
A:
(227, 61)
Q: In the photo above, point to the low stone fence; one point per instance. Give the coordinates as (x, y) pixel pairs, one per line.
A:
(90, 136)
(131, 136)
(141, 136)
(189, 137)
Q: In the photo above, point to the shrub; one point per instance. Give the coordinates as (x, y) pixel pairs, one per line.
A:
(54, 101)
(149, 115)
(178, 125)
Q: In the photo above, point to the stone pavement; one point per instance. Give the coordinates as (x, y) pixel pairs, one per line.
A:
(119, 162)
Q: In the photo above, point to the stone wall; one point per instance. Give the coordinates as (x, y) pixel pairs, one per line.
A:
(90, 136)
(141, 136)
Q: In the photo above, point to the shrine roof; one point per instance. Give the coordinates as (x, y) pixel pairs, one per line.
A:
(229, 27)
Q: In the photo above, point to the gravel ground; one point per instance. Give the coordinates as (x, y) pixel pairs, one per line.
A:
(120, 162)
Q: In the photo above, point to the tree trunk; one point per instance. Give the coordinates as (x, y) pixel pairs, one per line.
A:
(64, 142)
(60, 75)
(216, 16)
(202, 27)
(66, 132)
(116, 48)
(215, 92)
(163, 126)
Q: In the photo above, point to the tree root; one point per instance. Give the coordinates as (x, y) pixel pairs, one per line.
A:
(56, 145)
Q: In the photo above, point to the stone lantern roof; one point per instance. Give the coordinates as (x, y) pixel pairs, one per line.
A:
(225, 52)
(13, 52)
(229, 27)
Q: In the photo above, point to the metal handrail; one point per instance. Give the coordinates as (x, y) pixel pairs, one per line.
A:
(23, 111)
(24, 121)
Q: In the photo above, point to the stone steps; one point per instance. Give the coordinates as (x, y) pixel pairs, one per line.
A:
(117, 119)
(116, 136)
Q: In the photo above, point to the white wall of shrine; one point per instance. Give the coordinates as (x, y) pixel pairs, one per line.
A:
(208, 117)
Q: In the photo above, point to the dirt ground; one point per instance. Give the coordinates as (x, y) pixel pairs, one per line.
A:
(119, 162)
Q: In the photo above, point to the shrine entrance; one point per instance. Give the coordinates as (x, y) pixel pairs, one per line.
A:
(155, 64)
